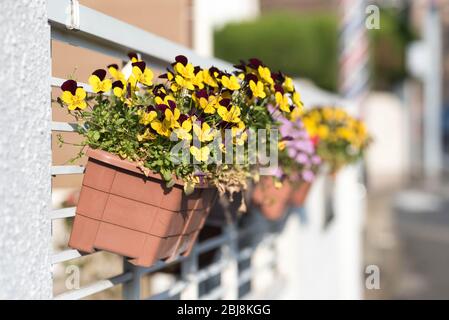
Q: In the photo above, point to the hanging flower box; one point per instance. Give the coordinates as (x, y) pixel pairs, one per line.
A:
(125, 212)
(340, 138)
(299, 193)
(272, 197)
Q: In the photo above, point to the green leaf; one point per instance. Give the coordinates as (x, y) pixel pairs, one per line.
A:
(166, 174)
(170, 183)
(96, 135)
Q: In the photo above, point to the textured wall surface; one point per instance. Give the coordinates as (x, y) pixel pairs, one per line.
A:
(25, 154)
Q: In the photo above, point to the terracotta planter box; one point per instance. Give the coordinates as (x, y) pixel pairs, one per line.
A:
(299, 193)
(120, 210)
(271, 201)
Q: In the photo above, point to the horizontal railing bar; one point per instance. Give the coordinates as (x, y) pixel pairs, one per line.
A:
(215, 294)
(209, 272)
(63, 126)
(198, 249)
(211, 243)
(95, 287)
(65, 255)
(245, 254)
(245, 276)
(60, 170)
(116, 35)
(68, 36)
(170, 293)
(62, 213)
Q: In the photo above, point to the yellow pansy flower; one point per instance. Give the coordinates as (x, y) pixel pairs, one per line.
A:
(282, 101)
(257, 89)
(161, 127)
(323, 131)
(197, 80)
(296, 98)
(209, 105)
(116, 73)
(98, 82)
(239, 134)
(142, 74)
(265, 74)
(133, 57)
(73, 96)
(202, 154)
(187, 71)
(208, 79)
(184, 83)
(231, 115)
(296, 113)
(230, 83)
(171, 117)
(118, 89)
(282, 145)
(288, 84)
(147, 117)
(147, 135)
(203, 133)
(165, 100)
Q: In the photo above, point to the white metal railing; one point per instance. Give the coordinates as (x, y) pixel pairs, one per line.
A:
(115, 38)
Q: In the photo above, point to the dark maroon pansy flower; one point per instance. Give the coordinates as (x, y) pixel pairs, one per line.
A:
(151, 108)
(195, 112)
(183, 117)
(225, 102)
(278, 88)
(251, 76)
(139, 64)
(196, 69)
(241, 66)
(132, 55)
(161, 107)
(157, 90)
(100, 73)
(172, 104)
(128, 91)
(213, 70)
(248, 92)
(202, 94)
(182, 60)
(255, 63)
(226, 91)
(278, 76)
(69, 85)
(287, 138)
(117, 84)
(114, 65)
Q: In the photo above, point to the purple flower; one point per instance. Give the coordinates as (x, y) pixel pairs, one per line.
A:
(308, 175)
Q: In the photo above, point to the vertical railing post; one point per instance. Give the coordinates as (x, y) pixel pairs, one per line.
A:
(230, 274)
(131, 289)
(25, 144)
(189, 268)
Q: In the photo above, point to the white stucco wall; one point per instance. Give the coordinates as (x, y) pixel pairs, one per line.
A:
(25, 152)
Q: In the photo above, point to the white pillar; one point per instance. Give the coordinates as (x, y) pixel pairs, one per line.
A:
(25, 150)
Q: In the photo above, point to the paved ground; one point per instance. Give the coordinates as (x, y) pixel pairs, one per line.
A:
(407, 236)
